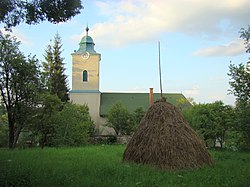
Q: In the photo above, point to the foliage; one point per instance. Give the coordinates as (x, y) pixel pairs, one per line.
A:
(54, 77)
(239, 83)
(138, 115)
(242, 125)
(124, 122)
(44, 129)
(3, 127)
(211, 121)
(72, 126)
(240, 88)
(245, 35)
(102, 166)
(14, 12)
(183, 103)
(19, 84)
(120, 119)
(111, 139)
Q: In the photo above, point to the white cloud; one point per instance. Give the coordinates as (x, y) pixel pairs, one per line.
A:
(134, 21)
(193, 91)
(232, 49)
(216, 97)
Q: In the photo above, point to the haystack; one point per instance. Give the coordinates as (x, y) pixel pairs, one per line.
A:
(166, 141)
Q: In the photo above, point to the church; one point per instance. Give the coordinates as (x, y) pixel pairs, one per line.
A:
(85, 86)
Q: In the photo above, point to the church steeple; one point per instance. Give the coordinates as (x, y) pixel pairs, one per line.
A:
(85, 76)
(87, 30)
(85, 66)
(86, 44)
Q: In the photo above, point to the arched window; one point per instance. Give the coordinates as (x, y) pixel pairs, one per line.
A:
(85, 76)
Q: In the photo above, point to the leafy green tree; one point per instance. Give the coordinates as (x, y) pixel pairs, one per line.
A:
(119, 118)
(240, 88)
(3, 127)
(239, 83)
(242, 125)
(14, 12)
(245, 35)
(19, 84)
(44, 130)
(183, 103)
(223, 120)
(54, 77)
(137, 116)
(72, 126)
(211, 121)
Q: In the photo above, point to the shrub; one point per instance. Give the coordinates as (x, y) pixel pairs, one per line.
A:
(112, 139)
(72, 126)
(3, 130)
(120, 119)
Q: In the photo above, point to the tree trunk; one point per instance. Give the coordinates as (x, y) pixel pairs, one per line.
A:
(214, 143)
(11, 134)
(44, 140)
(16, 136)
(221, 144)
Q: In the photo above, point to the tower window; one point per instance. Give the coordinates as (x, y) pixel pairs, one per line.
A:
(85, 76)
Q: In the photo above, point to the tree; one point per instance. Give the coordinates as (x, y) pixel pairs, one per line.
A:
(3, 127)
(223, 120)
(137, 116)
(183, 103)
(240, 76)
(239, 83)
(119, 119)
(245, 35)
(211, 121)
(49, 106)
(53, 71)
(14, 12)
(240, 88)
(72, 126)
(19, 84)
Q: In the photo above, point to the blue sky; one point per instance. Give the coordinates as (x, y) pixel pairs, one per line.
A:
(198, 39)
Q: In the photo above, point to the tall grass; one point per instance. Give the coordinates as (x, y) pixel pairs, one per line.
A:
(102, 166)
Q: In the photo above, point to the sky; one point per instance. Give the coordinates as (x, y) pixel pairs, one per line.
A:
(198, 40)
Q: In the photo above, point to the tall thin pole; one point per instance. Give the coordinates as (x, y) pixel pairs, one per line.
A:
(160, 66)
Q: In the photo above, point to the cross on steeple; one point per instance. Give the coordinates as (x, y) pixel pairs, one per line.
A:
(87, 30)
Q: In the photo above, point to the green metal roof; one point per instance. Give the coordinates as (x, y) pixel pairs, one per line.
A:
(133, 101)
(86, 44)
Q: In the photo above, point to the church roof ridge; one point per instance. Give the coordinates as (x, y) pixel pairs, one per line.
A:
(133, 101)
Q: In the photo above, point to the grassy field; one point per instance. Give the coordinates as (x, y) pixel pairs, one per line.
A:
(101, 166)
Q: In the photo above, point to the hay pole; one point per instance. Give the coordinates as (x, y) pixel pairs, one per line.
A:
(159, 50)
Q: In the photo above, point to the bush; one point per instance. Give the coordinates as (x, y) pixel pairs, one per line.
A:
(123, 122)
(120, 119)
(137, 116)
(72, 126)
(112, 139)
(3, 130)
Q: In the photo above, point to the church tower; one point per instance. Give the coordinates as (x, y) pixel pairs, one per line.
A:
(85, 77)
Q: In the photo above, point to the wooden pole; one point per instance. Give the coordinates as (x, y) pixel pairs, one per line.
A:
(160, 67)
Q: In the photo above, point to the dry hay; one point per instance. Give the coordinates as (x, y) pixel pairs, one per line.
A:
(165, 140)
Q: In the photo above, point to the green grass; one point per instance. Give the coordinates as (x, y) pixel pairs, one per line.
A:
(101, 166)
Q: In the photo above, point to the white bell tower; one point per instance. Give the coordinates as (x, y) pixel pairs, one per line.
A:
(85, 77)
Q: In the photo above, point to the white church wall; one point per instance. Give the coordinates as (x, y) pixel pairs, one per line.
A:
(91, 65)
(92, 100)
